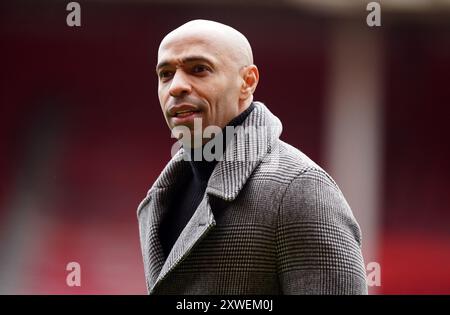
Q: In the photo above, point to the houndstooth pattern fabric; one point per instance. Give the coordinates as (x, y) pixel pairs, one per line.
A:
(271, 222)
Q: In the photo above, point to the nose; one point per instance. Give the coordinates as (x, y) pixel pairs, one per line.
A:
(179, 84)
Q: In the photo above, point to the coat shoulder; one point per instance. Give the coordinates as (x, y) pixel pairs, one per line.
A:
(305, 192)
(285, 163)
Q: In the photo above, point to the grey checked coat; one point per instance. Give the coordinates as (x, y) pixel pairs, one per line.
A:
(271, 222)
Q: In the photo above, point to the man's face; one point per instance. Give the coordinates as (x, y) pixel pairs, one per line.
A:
(197, 79)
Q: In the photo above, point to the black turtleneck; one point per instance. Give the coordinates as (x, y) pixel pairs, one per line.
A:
(189, 193)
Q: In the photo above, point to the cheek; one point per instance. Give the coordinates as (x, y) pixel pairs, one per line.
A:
(223, 90)
(162, 95)
(233, 86)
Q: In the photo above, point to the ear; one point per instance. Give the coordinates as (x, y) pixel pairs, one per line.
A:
(250, 79)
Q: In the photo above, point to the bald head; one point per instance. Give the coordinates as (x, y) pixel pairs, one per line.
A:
(227, 41)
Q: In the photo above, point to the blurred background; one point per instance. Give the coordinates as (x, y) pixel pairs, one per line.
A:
(82, 137)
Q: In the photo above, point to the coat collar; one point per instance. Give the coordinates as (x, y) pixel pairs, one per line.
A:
(254, 139)
(251, 144)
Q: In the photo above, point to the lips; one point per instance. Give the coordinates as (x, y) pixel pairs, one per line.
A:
(186, 117)
(181, 110)
(185, 113)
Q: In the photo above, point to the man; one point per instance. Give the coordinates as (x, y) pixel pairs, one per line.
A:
(259, 218)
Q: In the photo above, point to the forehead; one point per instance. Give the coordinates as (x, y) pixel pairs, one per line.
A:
(180, 46)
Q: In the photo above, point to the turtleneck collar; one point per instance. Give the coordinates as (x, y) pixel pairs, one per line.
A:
(203, 169)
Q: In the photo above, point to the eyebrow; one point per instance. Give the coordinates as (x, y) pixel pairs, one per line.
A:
(189, 59)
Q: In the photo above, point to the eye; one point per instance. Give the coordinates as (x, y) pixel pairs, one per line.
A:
(164, 74)
(200, 68)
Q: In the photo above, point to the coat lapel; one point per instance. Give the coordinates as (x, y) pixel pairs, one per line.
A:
(198, 226)
(149, 222)
(150, 213)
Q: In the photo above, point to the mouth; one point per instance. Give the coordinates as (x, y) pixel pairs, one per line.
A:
(185, 117)
(185, 113)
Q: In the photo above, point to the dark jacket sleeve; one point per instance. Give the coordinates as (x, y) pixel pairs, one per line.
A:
(318, 239)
